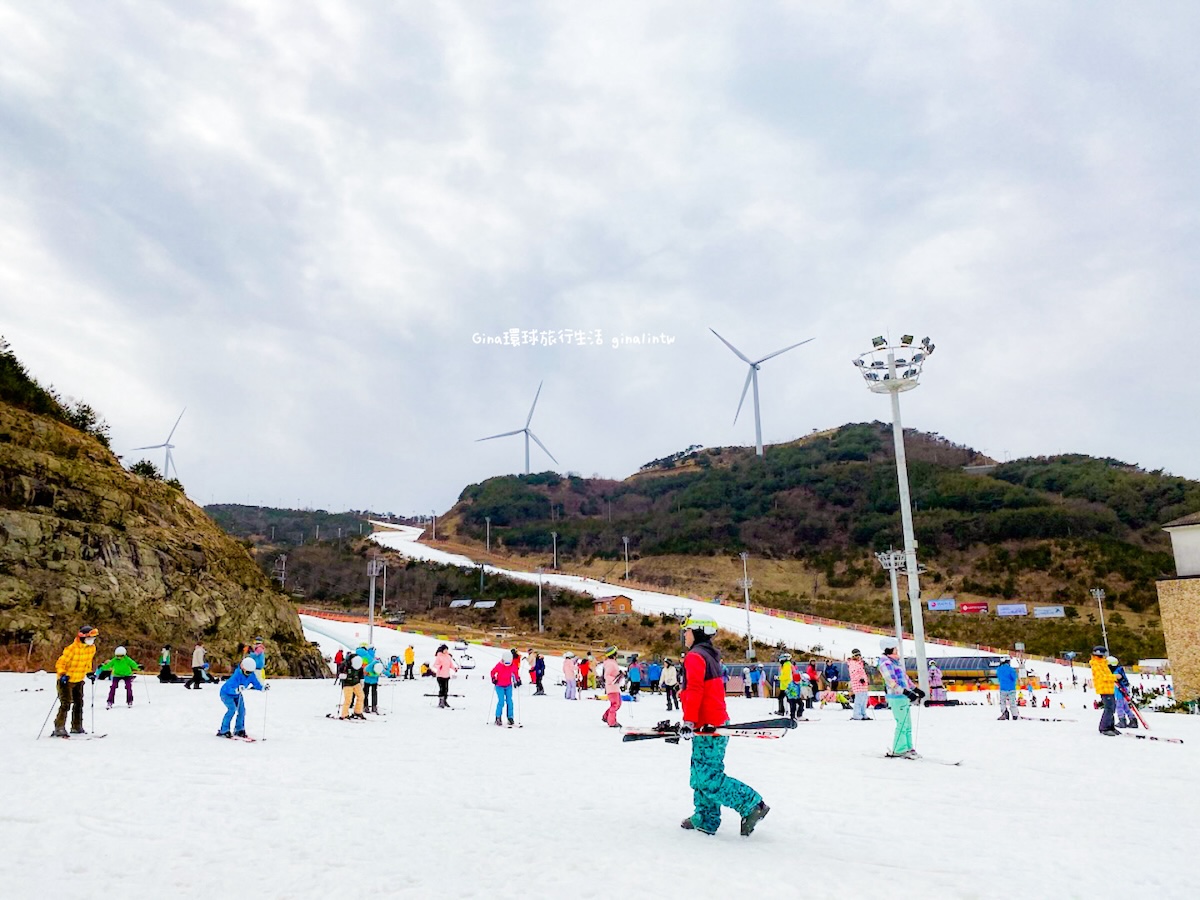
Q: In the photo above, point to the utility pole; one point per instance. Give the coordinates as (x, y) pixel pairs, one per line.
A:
(554, 536)
(539, 575)
(745, 585)
(488, 519)
(1098, 593)
(626, 540)
(280, 570)
(435, 524)
(383, 606)
(374, 566)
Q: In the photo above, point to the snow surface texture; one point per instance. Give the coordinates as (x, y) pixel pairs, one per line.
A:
(426, 802)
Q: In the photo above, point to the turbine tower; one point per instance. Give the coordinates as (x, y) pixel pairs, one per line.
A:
(752, 378)
(525, 431)
(169, 461)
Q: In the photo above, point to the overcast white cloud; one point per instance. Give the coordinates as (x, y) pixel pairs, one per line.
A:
(292, 217)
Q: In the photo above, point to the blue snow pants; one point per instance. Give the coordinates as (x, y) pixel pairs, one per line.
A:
(712, 788)
(233, 705)
(504, 696)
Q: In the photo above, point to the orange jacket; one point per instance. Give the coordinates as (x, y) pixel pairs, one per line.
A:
(76, 661)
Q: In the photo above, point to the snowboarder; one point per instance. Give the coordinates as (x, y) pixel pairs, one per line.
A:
(703, 699)
(122, 666)
(569, 675)
(504, 673)
(670, 682)
(860, 685)
(1125, 716)
(352, 689)
(410, 657)
(197, 668)
(936, 690)
(1105, 683)
(74, 665)
(231, 695)
(1006, 679)
(443, 667)
(900, 693)
(612, 687)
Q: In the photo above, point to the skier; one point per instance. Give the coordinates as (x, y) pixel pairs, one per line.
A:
(1105, 683)
(936, 690)
(443, 667)
(703, 699)
(900, 692)
(585, 668)
(1006, 678)
(539, 673)
(410, 657)
(634, 675)
(1125, 716)
(352, 689)
(612, 687)
(372, 669)
(783, 679)
(121, 666)
(197, 668)
(568, 669)
(860, 685)
(670, 682)
(504, 673)
(394, 667)
(259, 655)
(231, 695)
(74, 665)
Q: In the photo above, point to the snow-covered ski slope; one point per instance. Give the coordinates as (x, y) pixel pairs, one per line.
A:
(426, 802)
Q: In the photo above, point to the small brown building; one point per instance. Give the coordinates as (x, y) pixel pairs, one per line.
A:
(1179, 603)
(620, 605)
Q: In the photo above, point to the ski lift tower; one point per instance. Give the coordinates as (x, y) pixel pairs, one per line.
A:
(892, 369)
(374, 569)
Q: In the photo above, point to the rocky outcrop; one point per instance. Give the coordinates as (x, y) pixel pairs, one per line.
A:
(83, 540)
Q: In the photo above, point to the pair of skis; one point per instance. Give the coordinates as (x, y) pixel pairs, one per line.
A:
(763, 729)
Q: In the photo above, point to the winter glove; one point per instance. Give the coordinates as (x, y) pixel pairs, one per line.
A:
(266, 687)
(91, 676)
(62, 679)
(913, 696)
(686, 730)
(920, 693)
(517, 681)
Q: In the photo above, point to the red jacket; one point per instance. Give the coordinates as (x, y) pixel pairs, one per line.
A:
(503, 674)
(703, 694)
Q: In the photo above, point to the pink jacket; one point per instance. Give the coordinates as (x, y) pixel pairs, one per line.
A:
(504, 673)
(569, 669)
(859, 684)
(612, 675)
(444, 665)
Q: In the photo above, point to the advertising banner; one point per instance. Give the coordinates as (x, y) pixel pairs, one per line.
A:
(973, 607)
(1012, 609)
(1048, 612)
(946, 604)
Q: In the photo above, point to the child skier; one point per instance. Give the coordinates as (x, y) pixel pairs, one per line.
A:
(74, 665)
(612, 687)
(352, 689)
(937, 691)
(1125, 716)
(569, 675)
(860, 685)
(504, 673)
(538, 668)
(900, 692)
(122, 667)
(231, 695)
(703, 699)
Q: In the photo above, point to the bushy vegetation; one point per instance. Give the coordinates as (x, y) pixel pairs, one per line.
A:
(19, 388)
(284, 527)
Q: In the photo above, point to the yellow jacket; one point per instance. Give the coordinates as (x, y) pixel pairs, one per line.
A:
(1103, 678)
(409, 656)
(785, 676)
(76, 661)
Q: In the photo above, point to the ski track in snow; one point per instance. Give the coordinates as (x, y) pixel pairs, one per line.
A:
(446, 803)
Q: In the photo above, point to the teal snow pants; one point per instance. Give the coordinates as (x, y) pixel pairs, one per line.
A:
(712, 788)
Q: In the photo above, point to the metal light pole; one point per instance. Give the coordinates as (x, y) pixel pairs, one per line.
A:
(1070, 655)
(488, 519)
(374, 567)
(893, 560)
(745, 585)
(539, 575)
(383, 606)
(434, 524)
(1098, 593)
(626, 540)
(889, 375)
(554, 535)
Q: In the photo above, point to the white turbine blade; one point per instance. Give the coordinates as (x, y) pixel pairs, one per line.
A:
(739, 353)
(173, 427)
(777, 352)
(746, 387)
(170, 464)
(505, 434)
(540, 444)
(151, 447)
(535, 400)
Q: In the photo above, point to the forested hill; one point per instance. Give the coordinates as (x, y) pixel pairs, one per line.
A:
(1044, 529)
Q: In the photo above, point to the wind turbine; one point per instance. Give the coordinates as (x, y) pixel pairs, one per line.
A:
(169, 461)
(752, 377)
(525, 431)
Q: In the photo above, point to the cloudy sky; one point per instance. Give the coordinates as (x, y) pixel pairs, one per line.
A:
(294, 218)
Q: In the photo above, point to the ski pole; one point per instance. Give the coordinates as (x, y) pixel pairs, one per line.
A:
(93, 705)
(145, 688)
(264, 728)
(47, 719)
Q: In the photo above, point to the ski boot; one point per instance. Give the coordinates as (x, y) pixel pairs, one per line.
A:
(499, 724)
(240, 734)
(752, 818)
(129, 704)
(1131, 724)
(511, 721)
(1002, 716)
(688, 825)
(59, 732)
(109, 706)
(224, 734)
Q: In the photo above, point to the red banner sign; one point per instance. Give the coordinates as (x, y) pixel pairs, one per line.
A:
(973, 607)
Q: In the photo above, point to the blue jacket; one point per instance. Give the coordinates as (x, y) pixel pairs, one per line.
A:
(238, 680)
(1007, 676)
(755, 676)
(655, 671)
(635, 674)
(368, 658)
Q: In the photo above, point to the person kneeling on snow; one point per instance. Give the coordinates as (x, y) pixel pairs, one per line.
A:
(231, 695)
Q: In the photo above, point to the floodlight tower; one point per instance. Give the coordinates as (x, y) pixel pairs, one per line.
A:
(374, 568)
(893, 561)
(744, 584)
(887, 374)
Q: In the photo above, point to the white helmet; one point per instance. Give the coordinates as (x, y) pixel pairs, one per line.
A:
(356, 661)
(886, 644)
(248, 664)
(377, 667)
(1112, 660)
(120, 651)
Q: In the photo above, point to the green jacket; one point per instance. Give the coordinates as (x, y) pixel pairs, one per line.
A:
(121, 666)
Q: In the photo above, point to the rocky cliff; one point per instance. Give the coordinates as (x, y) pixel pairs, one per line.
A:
(83, 540)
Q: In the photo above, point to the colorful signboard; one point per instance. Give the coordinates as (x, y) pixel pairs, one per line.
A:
(946, 604)
(973, 607)
(1012, 609)
(1048, 612)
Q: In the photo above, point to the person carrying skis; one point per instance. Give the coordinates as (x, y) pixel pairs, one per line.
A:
(243, 677)
(703, 699)
(1105, 683)
(1006, 679)
(569, 674)
(936, 689)
(504, 674)
(900, 694)
(122, 666)
(352, 689)
(1125, 716)
(611, 673)
(74, 665)
(860, 685)
(670, 683)
(410, 656)
(443, 667)
(539, 673)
